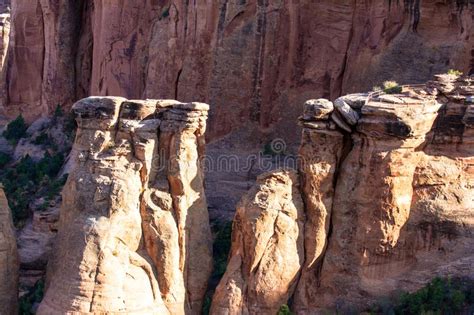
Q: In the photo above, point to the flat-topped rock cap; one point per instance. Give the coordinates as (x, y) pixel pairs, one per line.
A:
(317, 109)
(98, 106)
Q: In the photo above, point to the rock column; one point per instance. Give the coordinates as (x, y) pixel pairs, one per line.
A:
(107, 258)
(9, 264)
(320, 153)
(267, 248)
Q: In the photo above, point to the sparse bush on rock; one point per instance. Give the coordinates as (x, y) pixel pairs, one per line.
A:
(29, 302)
(16, 130)
(284, 310)
(391, 87)
(454, 72)
(440, 296)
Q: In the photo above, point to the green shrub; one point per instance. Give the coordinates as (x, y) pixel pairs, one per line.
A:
(58, 112)
(440, 296)
(284, 310)
(42, 139)
(70, 126)
(27, 180)
(221, 248)
(34, 296)
(16, 130)
(4, 159)
(454, 72)
(165, 13)
(391, 87)
(206, 305)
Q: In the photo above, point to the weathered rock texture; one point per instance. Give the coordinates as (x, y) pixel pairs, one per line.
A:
(267, 248)
(386, 209)
(134, 232)
(252, 60)
(8, 260)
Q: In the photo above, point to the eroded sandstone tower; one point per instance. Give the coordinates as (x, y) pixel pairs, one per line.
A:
(134, 232)
(388, 188)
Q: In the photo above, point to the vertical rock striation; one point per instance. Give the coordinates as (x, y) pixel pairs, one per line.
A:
(8, 259)
(320, 152)
(107, 257)
(174, 209)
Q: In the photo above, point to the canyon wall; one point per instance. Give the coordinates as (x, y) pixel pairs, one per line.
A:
(388, 188)
(8, 259)
(252, 60)
(134, 231)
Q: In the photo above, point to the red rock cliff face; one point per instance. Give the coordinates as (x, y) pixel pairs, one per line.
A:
(251, 60)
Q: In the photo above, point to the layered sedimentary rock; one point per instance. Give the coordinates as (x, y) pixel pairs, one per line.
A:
(134, 213)
(8, 259)
(252, 60)
(267, 248)
(386, 209)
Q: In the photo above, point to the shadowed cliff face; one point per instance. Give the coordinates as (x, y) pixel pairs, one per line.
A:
(388, 210)
(251, 60)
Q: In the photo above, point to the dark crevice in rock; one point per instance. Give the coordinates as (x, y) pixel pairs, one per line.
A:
(176, 84)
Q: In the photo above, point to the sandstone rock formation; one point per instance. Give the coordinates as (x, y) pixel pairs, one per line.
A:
(253, 61)
(386, 209)
(267, 248)
(134, 232)
(320, 153)
(404, 203)
(8, 260)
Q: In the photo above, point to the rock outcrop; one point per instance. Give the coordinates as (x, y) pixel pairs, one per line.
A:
(388, 191)
(253, 61)
(267, 248)
(134, 232)
(320, 153)
(8, 260)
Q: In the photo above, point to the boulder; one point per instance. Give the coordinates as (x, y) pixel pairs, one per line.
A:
(350, 116)
(319, 109)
